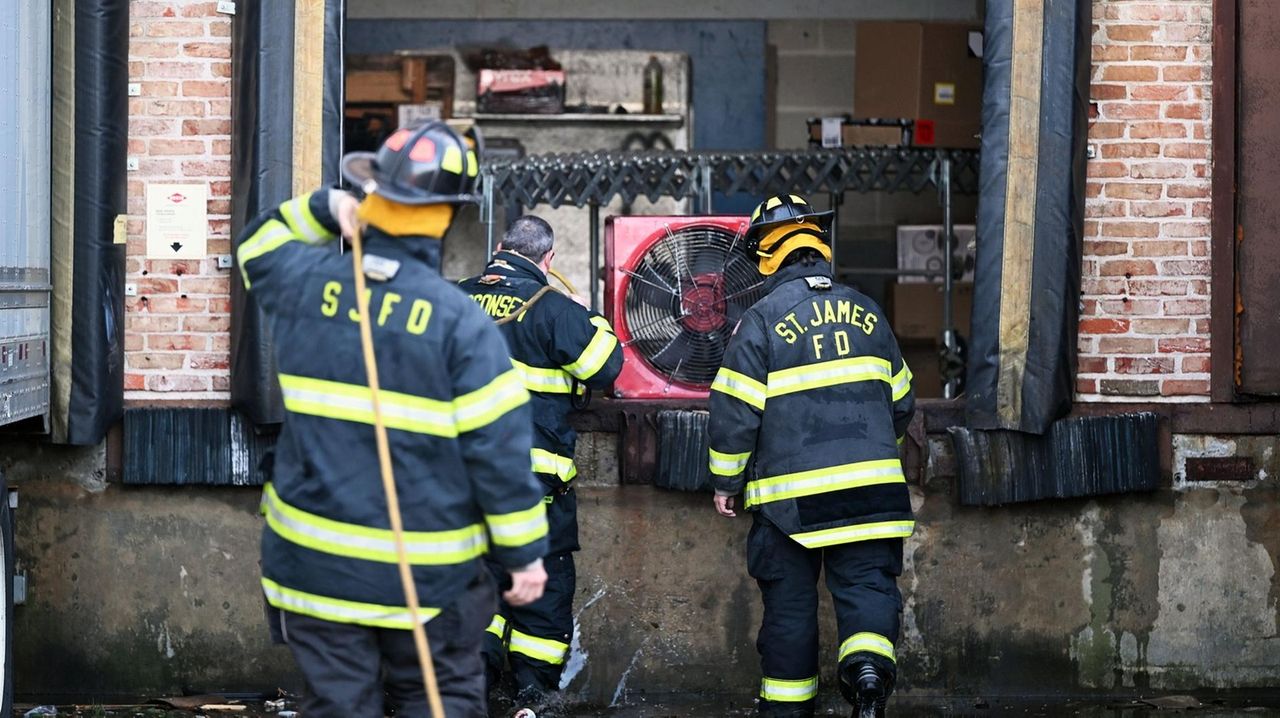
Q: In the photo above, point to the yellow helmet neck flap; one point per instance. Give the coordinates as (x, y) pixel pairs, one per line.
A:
(406, 220)
(784, 239)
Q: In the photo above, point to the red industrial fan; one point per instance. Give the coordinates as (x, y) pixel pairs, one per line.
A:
(675, 288)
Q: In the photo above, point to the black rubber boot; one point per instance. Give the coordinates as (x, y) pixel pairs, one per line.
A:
(864, 686)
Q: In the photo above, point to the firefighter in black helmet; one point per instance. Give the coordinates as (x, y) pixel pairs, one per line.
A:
(807, 412)
(562, 349)
(456, 413)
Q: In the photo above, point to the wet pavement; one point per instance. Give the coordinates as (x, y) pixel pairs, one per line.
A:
(700, 707)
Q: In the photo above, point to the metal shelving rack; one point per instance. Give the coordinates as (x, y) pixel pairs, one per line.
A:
(593, 179)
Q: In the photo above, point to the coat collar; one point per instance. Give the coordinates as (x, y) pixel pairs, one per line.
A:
(510, 264)
(798, 270)
(427, 250)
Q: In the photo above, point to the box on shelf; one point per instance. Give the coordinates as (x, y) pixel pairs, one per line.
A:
(920, 248)
(520, 91)
(851, 135)
(931, 72)
(916, 309)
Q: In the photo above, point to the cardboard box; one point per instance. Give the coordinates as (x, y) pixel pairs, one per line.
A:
(924, 71)
(920, 248)
(520, 91)
(916, 309)
(860, 135)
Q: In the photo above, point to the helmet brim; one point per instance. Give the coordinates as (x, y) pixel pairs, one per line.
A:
(358, 169)
(822, 219)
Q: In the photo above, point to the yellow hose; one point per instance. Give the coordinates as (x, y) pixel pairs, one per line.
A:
(561, 278)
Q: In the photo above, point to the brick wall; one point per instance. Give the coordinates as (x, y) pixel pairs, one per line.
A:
(176, 341)
(1144, 331)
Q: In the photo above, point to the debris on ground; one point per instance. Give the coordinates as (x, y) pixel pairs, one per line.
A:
(41, 711)
(1173, 703)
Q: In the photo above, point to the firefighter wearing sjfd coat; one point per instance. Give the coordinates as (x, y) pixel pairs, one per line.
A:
(561, 349)
(455, 410)
(807, 412)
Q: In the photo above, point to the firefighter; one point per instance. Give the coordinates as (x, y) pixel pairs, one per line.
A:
(562, 350)
(458, 421)
(807, 412)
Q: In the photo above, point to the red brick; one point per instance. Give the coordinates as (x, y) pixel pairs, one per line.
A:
(206, 127)
(1158, 170)
(1152, 130)
(1184, 267)
(1194, 230)
(1105, 209)
(220, 29)
(154, 285)
(134, 382)
(205, 285)
(220, 69)
(1113, 150)
(1161, 53)
(206, 168)
(177, 342)
(202, 9)
(1195, 364)
(207, 323)
(1130, 387)
(220, 305)
(164, 147)
(1131, 33)
(1186, 111)
(173, 267)
(148, 323)
(1127, 110)
(1157, 209)
(1185, 32)
(1143, 365)
(206, 88)
(1167, 12)
(1130, 229)
(1130, 307)
(1187, 150)
(179, 70)
(1104, 326)
(1086, 386)
(142, 48)
(175, 108)
(1184, 387)
(221, 147)
(1105, 249)
(150, 126)
(132, 342)
(181, 28)
(210, 361)
(1126, 345)
(1092, 190)
(1185, 73)
(1183, 345)
(1160, 248)
(1133, 190)
(217, 50)
(1184, 307)
(1092, 365)
(1160, 326)
(1128, 268)
(1107, 130)
(1189, 191)
(154, 360)
(1199, 249)
(1107, 169)
(1099, 286)
(1109, 53)
(177, 382)
(1202, 209)
(159, 89)
(1109, 92)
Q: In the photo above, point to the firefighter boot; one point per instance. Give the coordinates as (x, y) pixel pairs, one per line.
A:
(866, 687)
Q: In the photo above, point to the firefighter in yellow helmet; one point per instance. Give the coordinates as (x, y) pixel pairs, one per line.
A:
(458, 423)
(807, 412)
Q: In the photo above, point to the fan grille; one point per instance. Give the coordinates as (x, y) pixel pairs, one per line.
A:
(684, 298)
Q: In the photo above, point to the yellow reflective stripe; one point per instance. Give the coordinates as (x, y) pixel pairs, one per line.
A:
(723, 464)
(490, 402)
(545, 380)
(781, 690)
(595, 355)
(857, 532)
(452, 160)
(542, 649)
(902, 440)
(740, 386)
(827, 373)
(337, 538)
(297, 214)
(772, 202)
(546, 462)
(821, 481)
(340, 610)
(601, 322)
(902, 383)
(867, 643)
(498, 626)
(272, 235)
(354, 402)
(518, 528)
(798, 199)
(755, 214)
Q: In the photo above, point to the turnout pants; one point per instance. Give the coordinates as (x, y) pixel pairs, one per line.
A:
(534, 639)
(861, 578)
(348, 667)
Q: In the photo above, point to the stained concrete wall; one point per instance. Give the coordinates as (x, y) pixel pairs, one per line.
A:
(147, 590)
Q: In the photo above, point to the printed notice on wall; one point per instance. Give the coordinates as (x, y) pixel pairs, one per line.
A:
(177, 221)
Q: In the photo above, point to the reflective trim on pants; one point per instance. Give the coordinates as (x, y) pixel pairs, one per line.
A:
(867, 643)
(542, 649)
(788, 691)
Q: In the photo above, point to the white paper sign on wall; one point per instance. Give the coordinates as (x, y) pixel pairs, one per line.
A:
(177, 221)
